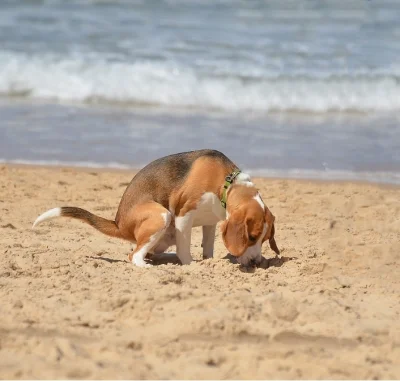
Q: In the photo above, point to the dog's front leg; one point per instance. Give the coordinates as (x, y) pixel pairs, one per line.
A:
(183, 226)
(208, 241)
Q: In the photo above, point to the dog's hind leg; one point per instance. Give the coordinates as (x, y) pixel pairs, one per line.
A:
(149, 233)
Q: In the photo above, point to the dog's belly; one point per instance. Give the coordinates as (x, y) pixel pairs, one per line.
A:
(209, 210)
(167, 240)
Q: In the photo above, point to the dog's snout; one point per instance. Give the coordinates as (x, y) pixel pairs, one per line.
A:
(252, 263)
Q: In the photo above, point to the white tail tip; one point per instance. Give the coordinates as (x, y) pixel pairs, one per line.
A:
(52, 213)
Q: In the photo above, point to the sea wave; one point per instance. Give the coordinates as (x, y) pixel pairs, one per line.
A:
(101, 80)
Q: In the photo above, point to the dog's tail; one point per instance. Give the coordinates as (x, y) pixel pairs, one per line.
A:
(107, 227)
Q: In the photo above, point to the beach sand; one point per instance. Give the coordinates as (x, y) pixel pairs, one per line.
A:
(73, 307)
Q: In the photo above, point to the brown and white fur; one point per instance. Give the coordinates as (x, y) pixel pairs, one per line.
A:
(173, 194)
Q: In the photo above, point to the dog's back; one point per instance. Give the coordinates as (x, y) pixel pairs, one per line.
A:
(157, 180)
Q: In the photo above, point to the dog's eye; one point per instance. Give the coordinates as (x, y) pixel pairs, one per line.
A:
(252, 238)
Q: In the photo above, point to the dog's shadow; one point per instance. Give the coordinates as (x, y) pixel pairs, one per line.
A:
(105, 259)
(163, 259)
(153, 259)
(172, 258)
(277, 261)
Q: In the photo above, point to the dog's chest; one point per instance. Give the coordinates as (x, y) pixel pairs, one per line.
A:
(209, 210)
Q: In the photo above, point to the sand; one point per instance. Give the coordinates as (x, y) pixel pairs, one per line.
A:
(73, 307)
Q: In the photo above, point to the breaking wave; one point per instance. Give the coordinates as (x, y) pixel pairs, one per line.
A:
(101, 80)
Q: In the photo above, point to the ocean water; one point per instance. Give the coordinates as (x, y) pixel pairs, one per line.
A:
(285, 88)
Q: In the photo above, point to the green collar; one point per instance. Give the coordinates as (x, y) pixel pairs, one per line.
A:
(228, 181)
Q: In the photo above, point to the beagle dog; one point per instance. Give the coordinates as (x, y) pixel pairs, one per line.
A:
(173, 194)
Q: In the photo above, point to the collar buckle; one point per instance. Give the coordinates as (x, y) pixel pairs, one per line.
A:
(231, 177)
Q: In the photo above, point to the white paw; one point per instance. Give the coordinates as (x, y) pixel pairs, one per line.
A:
(141, 263)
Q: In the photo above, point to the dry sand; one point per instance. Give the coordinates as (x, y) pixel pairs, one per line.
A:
(72, 307)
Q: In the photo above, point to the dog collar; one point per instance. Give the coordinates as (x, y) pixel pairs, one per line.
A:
(228, 181)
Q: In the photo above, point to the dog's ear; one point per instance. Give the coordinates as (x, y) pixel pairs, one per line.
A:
(270, 234)
(234, 235)
(272, 243)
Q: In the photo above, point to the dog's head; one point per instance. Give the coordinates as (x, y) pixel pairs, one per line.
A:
(248, 225)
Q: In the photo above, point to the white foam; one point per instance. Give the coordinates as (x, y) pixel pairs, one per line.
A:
(79, 164)
(96, 80)
(389, 177)
(373, 177)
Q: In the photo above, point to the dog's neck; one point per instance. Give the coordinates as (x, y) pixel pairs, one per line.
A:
(241, 187)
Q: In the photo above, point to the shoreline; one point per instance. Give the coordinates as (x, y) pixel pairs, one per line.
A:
(133, 171)
(291, 147)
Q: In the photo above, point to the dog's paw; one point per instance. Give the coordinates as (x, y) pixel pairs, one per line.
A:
(139, 262)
